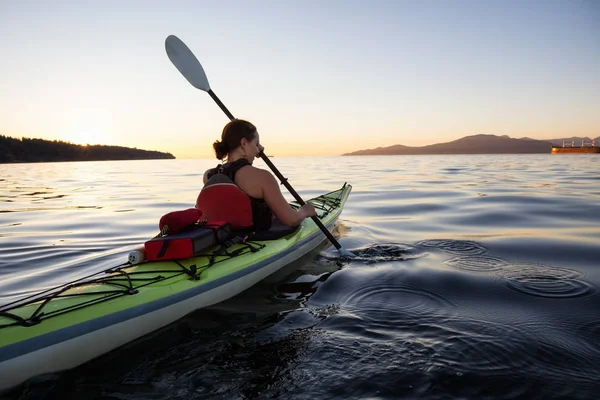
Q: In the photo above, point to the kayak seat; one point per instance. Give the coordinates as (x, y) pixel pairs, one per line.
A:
(276, 231)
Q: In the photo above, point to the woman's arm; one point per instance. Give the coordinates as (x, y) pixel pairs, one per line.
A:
(278, 204)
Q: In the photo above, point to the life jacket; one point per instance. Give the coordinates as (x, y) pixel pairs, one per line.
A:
(222, 199)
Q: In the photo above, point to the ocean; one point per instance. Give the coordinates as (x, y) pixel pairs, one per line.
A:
(476, 277)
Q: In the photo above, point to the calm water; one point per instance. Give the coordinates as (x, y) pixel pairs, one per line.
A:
(477, 277)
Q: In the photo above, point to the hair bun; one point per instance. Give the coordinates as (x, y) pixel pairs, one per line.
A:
(220, 149)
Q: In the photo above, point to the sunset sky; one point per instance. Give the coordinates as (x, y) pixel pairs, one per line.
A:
(318, 77)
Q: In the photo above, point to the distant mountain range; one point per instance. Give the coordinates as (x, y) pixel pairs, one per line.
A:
(477, 144)
(39, 150)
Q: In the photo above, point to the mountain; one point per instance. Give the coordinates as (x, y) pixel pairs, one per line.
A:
(475, 144)
(40, 150)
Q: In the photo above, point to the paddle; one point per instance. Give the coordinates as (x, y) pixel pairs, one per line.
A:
(189, 66)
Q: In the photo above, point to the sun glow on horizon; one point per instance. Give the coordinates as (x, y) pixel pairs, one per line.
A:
(87, 137)
(88, 127)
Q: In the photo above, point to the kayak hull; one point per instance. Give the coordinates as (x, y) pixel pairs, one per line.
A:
(73, 345)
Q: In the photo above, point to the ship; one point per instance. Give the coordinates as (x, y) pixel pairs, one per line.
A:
(569, 147)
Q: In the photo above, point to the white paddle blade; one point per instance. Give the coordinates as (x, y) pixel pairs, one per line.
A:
(186, 62)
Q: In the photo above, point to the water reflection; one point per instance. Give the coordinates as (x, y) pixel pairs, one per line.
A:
(476, 277)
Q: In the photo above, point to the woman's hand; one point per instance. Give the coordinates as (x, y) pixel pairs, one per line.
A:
(307, 211)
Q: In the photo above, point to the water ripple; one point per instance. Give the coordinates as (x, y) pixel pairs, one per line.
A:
(482, 263)
(549, 282)
(537, 349)
(559, 342)
(402, 298)
(485, 347)
(457, 247)
(380, 310)
(589, 334)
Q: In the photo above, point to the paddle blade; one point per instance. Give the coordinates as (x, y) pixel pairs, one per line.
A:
(346, 253)
(186, 62)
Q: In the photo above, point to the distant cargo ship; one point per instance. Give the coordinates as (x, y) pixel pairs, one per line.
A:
(570, 148)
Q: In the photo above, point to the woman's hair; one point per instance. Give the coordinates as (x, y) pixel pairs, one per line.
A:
(232, 135)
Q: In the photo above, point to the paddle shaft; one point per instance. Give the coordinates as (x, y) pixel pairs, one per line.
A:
(281, 178)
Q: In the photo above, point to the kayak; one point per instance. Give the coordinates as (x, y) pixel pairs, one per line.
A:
(69, 325)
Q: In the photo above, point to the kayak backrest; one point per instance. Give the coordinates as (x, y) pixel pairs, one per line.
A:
(222, 200)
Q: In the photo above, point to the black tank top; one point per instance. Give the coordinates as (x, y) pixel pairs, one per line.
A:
(262, 216)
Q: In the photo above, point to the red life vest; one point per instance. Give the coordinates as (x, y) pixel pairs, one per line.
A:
(222, 200)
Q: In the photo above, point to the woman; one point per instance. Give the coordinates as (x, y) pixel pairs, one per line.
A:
(260, 197)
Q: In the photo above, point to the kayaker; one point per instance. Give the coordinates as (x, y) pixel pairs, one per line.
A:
(256, 197)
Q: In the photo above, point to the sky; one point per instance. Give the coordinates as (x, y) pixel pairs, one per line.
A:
(317, 77)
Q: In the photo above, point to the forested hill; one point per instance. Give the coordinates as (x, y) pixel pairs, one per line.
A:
(40, 150)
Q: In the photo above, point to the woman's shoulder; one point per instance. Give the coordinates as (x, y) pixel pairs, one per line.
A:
(249, 171)
(258, 176)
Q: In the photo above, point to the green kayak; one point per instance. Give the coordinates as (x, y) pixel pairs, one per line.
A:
(76, 322)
